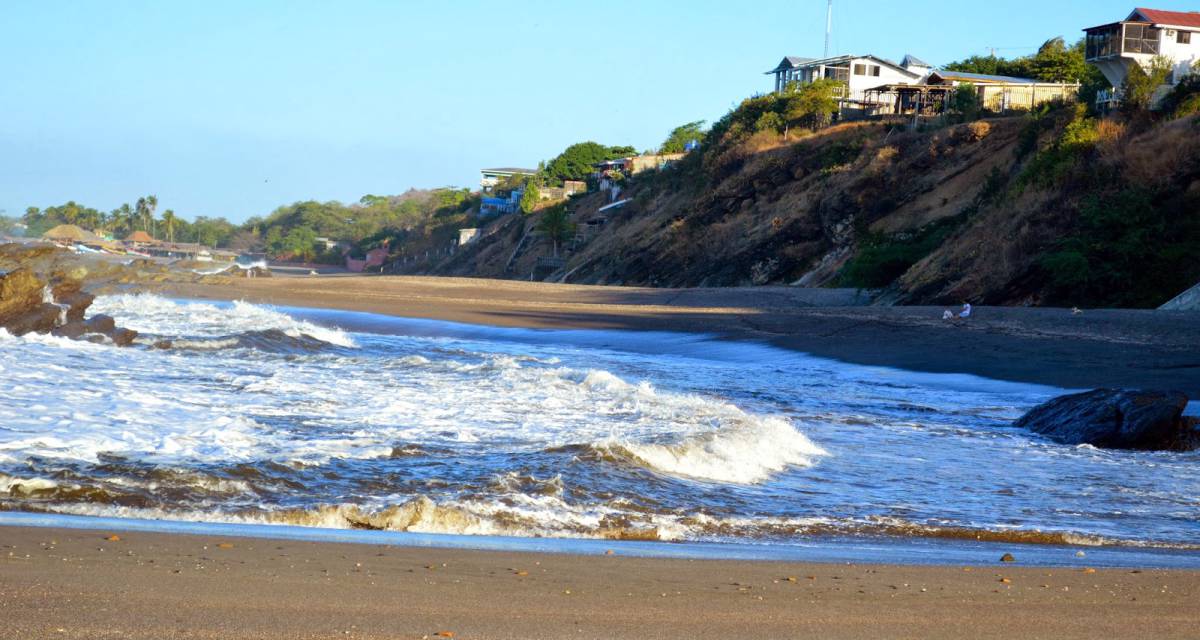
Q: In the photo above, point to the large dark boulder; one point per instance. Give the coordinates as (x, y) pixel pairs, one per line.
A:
(20, 292)
(24, 309)
(1117, 419)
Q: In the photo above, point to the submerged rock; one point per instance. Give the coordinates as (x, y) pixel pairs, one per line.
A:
(1117, 419)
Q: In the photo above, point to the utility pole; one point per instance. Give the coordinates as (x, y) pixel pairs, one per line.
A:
(828, 27)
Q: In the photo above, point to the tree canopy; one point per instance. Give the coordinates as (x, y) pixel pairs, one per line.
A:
(680, 136)
(575, 162)
(556, 225)
(1053, 62)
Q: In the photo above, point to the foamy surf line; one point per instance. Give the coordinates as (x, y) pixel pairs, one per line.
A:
(701, 346)
(884, 551)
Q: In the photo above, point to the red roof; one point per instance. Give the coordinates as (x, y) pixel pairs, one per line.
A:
(1173, 18)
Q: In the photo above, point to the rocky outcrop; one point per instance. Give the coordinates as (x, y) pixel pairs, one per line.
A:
(1117, 419)
(28, 305)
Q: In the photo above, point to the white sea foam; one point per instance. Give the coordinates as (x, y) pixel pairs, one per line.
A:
(485, 434)
(162, 317)
(752, 451)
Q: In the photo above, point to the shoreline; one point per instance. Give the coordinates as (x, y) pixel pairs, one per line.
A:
(73, 583)
(1053, 347)
(927, 551)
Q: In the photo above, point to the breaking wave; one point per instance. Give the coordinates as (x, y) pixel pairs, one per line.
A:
(164, 318)
(242, 413)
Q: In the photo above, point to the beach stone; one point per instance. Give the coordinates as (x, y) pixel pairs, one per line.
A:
(21, 293)
(73, 330)
(1116, 419)
(123, 337)
(101, 323)
(71, 294)
(40, 319)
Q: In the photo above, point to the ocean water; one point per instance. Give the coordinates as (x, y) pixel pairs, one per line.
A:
(276, 416)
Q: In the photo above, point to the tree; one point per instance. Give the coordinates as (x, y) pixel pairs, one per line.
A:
(151, 205)
(770, 121)
(139, 209)
(274, 241)
(1141, 83)
(680, 136)
(122, 220)
(1055, 62)
(301, 242)
(812, 104)
(169, 223)
(530, 199)
(575, 162)
(557, 226)
(967, 102)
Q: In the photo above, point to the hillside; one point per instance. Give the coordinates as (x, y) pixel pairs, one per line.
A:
(1054, 208)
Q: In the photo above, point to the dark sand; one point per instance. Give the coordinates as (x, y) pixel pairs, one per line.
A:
(58, 583)
(1098, 348)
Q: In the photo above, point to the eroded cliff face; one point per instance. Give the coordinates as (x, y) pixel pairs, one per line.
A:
(968, 212)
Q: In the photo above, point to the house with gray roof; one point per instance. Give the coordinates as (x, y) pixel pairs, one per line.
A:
(859, 73)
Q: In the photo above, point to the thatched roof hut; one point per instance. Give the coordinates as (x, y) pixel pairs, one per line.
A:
(140, 237)
(70, 233)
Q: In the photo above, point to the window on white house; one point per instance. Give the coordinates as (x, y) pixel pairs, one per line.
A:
(860, 69)
(875, 70)
(1183, 37)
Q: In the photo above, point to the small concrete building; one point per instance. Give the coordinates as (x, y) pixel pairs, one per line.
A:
(467, 236)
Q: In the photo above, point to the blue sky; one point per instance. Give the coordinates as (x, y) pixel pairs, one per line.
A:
(233, 108)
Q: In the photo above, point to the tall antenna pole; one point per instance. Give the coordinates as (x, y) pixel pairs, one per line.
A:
(828, 27)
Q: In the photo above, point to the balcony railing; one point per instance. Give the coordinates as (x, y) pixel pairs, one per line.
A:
(1124, 38)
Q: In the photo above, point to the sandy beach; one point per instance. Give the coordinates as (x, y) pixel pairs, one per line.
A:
(57, 583)
(1096, 348)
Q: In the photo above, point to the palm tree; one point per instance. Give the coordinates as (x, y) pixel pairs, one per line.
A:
(556, 224)
(151, 205)
(169, 220)
(140, 208)
(121, 220)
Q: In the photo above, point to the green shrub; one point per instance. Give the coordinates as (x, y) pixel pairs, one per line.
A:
(1132, 248)
(881, 259)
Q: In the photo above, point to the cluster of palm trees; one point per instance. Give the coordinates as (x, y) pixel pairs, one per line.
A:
(126, 219)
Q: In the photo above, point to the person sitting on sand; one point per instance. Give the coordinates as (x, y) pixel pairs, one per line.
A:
(966, 311)
(947, 315)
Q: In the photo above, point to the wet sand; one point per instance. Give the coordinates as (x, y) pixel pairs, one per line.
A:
(1098, 348)
(57, 583)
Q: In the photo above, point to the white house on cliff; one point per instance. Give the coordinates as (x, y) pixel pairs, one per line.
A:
(860, 73)
(1146, 34)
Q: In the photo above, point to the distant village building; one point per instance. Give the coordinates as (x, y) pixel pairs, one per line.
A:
(861, 74)
(998, 94)
(493, 206)
(139, 237)
(569, 188)
(373, 258)
(329, 244)
(489, 178)
(1140, 38)
(633, 165)
(467, 236)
